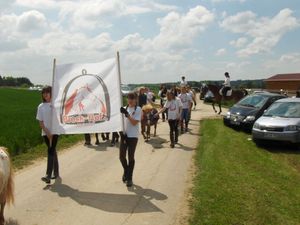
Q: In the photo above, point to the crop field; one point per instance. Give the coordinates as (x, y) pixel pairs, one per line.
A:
(19, 130)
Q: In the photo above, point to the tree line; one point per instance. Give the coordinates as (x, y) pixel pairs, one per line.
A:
(9, 81)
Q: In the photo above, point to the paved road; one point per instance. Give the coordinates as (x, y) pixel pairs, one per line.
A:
(91, 191)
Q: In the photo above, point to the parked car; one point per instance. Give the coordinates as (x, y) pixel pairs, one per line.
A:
(244, 113)
(125, 89)
(281, 122)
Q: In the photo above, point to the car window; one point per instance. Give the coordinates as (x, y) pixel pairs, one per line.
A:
(256, 101)
(284, 109)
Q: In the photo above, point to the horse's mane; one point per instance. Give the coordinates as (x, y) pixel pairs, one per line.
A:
(9, 194)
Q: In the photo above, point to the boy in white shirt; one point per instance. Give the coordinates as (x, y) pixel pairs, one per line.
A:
(174, 107)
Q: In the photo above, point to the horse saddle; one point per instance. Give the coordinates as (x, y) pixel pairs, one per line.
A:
(228, 93)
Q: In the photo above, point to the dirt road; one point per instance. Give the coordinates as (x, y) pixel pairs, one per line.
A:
(91, 191)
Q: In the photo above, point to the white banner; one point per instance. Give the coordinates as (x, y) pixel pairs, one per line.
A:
(86, 98)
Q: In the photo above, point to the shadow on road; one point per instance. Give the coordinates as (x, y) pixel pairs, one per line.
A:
(109, 202)
(157, 142)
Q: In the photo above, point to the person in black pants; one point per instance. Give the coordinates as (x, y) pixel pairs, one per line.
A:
(115, 138)
(174, 107)
(129, 138)
(44, 117)
(87, 138)
(52, 164)
(163, 94)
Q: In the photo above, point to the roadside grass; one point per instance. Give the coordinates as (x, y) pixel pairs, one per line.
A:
(238, 183)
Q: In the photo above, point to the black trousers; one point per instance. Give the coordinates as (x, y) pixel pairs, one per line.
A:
(128, 146)
(52, 163)
(115, 137)
(173, 130)
(87, 138)
(224, 91)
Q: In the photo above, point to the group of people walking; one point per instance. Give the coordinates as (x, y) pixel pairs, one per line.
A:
(175, 104)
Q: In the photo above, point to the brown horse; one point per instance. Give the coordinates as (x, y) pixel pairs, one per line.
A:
(215, 90)
(6, 182)
(148, 120)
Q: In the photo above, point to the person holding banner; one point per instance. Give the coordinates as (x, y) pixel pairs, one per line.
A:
(44, 117)
(129, 139)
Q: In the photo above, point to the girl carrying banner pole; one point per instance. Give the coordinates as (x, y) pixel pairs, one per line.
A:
(129, 139)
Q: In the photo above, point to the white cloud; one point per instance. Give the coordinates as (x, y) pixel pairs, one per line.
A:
(217, 1)
(140, 56)
(242, 22)
(16, 29)
(31, 21)
(221, 51)
(180, 30)
(265, 32)
(239, 43)
(290, 58)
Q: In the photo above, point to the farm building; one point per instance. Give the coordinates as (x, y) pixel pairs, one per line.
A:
(289, 82)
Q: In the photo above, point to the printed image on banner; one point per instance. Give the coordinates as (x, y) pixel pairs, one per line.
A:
(86, 98)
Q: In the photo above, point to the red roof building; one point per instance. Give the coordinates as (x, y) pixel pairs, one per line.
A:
(290, 82)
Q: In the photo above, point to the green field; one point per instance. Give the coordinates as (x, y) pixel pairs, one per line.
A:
(238, 183)
(19, 130)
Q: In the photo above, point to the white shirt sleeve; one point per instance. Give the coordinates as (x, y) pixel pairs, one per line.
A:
(39, 114)
(167, 104)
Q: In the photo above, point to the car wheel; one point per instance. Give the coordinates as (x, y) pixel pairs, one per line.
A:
(258, 142)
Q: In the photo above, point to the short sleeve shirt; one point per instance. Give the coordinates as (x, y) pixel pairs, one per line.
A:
(44, 115)
(186, 100)
(173, 107)
(133, 131)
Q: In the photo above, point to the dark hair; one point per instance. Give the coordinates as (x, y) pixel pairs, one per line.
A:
(172, 94)
(132, 95)
(226, 74)
(46, 89)
(183, 77)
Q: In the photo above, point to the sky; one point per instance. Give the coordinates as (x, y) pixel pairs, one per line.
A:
(158, 41)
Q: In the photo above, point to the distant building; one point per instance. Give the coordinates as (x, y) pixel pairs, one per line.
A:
(289, 82)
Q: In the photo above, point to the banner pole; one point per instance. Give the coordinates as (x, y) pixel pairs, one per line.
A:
(52, 103)
(121, 96)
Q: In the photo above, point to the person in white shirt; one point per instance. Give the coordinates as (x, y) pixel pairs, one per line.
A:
(174, 107)
(183, 82)
(129, 139)
(44, 117)
(150, 96)
(186, 100)
(226, 84)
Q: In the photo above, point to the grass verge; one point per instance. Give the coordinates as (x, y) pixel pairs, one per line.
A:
(27, 158)
(238, 183)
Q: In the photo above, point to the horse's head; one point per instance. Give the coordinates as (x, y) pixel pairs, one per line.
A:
(204, 89)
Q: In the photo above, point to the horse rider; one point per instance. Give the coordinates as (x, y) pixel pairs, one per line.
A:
(226, 85)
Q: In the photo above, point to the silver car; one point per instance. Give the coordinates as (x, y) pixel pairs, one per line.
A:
(281, 122)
